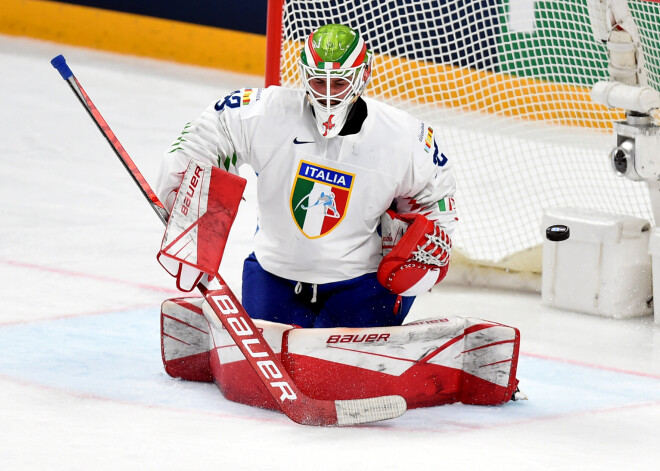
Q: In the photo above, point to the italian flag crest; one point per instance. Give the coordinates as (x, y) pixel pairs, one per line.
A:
(319, 198)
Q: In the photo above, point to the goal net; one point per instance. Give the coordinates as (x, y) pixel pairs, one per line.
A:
(506, 86)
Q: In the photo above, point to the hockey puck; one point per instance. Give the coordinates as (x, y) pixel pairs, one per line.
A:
(557, 233)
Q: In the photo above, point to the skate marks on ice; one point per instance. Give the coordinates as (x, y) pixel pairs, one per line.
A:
(116, 356)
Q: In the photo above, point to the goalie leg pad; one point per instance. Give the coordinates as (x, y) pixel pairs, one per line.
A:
(429, 363)
(232, 373)
(185, 339)
(490, 363)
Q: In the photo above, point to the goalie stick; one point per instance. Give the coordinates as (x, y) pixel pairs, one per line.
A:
(231, 314)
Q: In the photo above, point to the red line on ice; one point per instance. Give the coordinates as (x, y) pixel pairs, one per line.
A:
(592, 365)
(88, 275)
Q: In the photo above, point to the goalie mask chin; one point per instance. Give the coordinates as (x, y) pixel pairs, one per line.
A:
(335, 66)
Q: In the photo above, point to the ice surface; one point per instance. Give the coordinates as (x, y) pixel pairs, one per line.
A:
(81, 380)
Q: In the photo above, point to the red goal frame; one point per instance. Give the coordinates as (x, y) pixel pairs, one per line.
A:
(273, 42)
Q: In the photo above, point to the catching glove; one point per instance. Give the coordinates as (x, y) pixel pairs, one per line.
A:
(416, 253)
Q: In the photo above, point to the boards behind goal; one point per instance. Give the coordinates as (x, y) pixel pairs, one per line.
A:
(506, 86)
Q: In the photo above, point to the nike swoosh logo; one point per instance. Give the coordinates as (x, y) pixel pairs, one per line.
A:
(296, 141)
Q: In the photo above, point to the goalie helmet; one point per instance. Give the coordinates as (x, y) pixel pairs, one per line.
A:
(335, 66)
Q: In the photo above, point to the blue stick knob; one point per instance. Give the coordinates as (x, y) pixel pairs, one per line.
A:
(59, 63)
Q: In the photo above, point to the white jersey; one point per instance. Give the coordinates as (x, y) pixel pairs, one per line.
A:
(319, 200)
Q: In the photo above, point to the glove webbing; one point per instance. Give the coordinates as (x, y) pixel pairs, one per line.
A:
(435, 241)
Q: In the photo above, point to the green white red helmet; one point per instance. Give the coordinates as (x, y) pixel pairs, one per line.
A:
(335, 66)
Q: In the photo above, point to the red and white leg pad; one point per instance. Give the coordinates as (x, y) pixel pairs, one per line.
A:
(431, 362)
(184, 334)
(195, 351)
(234, 376)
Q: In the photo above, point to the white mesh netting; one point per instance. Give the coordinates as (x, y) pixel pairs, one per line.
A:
(506, 86)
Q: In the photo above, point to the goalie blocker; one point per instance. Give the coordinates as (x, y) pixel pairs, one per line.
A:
(430, 362)
(203, 212)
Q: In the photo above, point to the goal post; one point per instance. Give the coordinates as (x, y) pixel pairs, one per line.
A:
(506, 86)
(274, 34)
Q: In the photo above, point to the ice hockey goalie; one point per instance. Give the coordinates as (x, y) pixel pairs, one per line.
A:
(430, 362)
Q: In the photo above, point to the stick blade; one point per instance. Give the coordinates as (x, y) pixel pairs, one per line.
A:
(375, 409)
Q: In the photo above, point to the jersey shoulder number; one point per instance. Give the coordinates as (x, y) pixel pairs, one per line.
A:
(430, 144)
(238, 98)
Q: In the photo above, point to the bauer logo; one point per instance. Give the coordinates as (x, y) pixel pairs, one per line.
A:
(190, 192)
(319, 198)
(251, 345)
(358, 338)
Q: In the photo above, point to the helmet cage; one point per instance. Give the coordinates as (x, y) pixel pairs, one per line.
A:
(342, 86)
